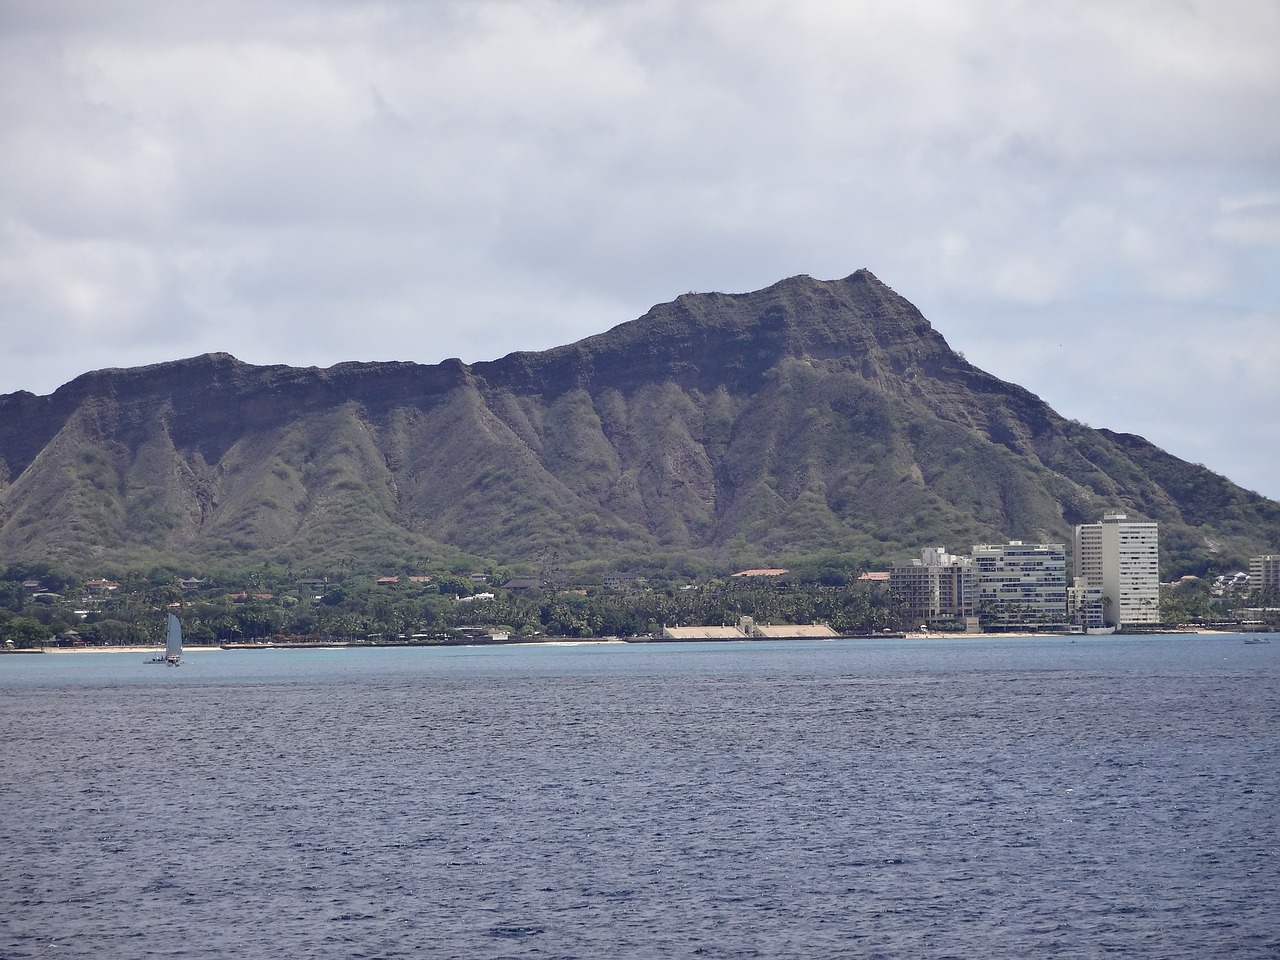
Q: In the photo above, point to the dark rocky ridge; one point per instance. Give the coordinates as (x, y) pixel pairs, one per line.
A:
(807, 418)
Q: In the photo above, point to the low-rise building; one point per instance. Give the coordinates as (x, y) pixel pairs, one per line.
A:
(702, 633)
(748, 629)
(525, 585)
(785, 631)
(622, 581)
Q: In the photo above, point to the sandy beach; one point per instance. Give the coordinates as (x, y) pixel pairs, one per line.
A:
(155, 651)
(158, 649)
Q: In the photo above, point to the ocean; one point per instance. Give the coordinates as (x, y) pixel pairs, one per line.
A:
(941, 798)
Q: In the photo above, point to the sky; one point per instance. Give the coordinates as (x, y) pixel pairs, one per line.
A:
(1083, 198)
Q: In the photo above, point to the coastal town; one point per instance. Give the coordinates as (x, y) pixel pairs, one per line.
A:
(1108, 582)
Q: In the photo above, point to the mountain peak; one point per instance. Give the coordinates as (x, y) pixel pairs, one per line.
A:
(705, 340)
(809, 417)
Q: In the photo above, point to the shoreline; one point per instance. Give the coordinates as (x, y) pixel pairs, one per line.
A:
(320, 645)
(158, 649)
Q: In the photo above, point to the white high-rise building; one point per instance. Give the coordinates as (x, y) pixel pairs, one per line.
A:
(1021, 583)
(1264, 574)
(1123, 558)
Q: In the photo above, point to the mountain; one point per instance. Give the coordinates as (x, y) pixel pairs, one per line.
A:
(809, 418)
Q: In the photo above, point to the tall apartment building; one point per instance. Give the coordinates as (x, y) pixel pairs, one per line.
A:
(936, 587)
(1021, 583)
(1123, 558)
(1264, 573)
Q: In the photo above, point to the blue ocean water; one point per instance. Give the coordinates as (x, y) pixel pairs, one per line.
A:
(922, 799)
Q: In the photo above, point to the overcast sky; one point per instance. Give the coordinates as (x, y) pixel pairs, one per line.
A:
(1083, 198)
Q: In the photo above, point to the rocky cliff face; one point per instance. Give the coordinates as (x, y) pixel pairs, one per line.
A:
(808, 418)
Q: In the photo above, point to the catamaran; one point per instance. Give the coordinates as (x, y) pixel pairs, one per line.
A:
(173, 644)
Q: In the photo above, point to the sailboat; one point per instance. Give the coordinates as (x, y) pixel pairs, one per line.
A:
(173, 644)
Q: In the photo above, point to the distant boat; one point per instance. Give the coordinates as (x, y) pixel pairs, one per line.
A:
(173, 644)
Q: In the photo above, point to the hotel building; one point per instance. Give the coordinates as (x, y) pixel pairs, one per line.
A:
(937, 587)
(1021, 583)
(1123, 558)
(1264, 574)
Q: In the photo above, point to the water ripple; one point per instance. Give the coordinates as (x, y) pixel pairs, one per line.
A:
(937, 801)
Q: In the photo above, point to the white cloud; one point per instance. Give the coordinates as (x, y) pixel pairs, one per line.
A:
(1251, 221)
(279, 178)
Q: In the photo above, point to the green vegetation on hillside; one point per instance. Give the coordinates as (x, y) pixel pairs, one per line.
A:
(806, 420)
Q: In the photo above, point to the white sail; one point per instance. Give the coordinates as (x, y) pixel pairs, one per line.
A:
(173, 646)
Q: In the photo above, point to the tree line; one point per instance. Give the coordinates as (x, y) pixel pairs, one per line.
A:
(265, 603)
(263, 607)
